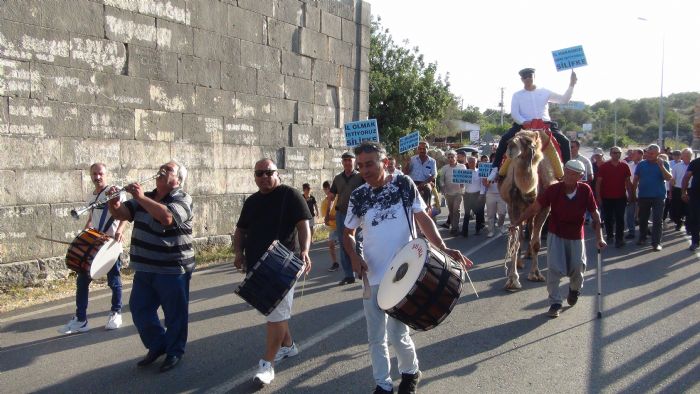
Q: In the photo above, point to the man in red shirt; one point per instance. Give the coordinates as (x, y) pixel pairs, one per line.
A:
(566, 253)
(611, 188)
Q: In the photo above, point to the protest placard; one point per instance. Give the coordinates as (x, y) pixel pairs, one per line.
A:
(409, 141)
(460, 175)
(363, 130)
(485, 169)
(569, 58)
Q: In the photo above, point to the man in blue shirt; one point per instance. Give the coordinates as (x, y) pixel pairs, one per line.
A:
(423, 170)
(649, 177)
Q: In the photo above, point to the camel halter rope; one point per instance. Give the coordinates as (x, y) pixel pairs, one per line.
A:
(513, 245)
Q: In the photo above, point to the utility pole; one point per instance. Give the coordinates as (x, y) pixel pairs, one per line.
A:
(501, 105)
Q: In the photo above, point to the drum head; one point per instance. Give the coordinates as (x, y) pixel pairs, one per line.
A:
(105, 259)
(403, 273)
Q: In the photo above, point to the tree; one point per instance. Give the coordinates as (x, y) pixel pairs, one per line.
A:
(405, 93)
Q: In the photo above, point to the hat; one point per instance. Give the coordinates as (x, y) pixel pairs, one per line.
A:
(575, 165)
(526, 71)
(598, 151)
(348, 155)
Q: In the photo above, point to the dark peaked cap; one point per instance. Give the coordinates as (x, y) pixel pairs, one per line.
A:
(526, 71)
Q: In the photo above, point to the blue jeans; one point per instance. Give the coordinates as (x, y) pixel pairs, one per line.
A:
(655, 207)
(82, 282)
(344, 258)
(381, 327)
(172, 293)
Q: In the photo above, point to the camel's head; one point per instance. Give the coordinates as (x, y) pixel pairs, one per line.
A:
(526, 145)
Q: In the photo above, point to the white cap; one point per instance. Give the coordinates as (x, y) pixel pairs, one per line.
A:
(575, 165)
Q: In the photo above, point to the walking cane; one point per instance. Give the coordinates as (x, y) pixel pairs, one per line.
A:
(600, 298)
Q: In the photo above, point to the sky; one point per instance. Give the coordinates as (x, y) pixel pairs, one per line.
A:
(483, 44)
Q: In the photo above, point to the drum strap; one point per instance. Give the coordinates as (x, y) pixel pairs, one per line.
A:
(405, 209)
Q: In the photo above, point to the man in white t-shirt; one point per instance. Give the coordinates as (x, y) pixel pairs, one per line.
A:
(101, 220)
(385, 208)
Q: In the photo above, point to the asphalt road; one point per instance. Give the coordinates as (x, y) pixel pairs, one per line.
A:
(648, 339)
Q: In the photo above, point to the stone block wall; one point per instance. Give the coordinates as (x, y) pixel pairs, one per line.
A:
(215, 84)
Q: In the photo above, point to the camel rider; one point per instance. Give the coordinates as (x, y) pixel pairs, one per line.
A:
(529, 109)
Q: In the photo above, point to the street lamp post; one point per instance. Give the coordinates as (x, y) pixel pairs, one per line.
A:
(661, 94)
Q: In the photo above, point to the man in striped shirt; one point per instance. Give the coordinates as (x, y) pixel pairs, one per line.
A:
(163, 260)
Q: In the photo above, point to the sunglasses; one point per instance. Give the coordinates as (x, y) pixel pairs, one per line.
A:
(259, 173)
(615, 153)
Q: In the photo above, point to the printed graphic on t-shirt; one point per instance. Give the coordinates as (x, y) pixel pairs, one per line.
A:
(385, 202)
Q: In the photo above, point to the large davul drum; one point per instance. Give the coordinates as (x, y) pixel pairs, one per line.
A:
(421, 286)
(93, 252)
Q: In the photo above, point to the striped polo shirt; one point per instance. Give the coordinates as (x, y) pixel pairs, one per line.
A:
(157, 248)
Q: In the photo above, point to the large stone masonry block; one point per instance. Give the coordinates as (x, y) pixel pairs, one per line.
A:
(261, 57)
(144, 154)
(215, 101)
(97, 54)
(360, 58)
(326, 116)
(353, 78)
(40, 118)
(296, 65)
(202, 72)
(312, 17)
(63, 226)
(332, 158)
(283, 35)
(207, 181)
(209, 45)
(198, 128)
(298, 89)
(208, 14)
(296, 158)
(326, 72)
(264, 7)
(172, 97)
(313, 44)
(365, 13)
(129, 27)
(174, 37)
(348, 31)
(150, 63)
(340, 52)
(4, 115)
(341, 8)
(217, 214)
(246, 25)
(241, 132)
(284, 111)
(29, 153)
(77, 16)
(107, 122)
(306, 136)
(123, 91)
(157, 125)
(8, 192)
(240, 156)
(174, 10)
(305, 113)
(25, 11)
(82, 153)
(238, 78)
(253, 107)
(333, 137)
(290, 11)
(331, 25)
(19, 227)
(64, 84)
(270, 84)
(240, 181)
(40, 187)
(15, 78)
(348, 98)
(198, 155)
(26, 42)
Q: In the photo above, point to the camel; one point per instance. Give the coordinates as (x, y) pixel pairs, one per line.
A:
(528, 173)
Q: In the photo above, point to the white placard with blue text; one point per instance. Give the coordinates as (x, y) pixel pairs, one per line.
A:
(409, 142)
(485, 169)
(460, 175)
(569, 58)
(363, 130)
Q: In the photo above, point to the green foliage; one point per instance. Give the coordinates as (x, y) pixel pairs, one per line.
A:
(405, 92)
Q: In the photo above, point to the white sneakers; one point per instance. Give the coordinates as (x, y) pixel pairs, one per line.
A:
(265, 374)
(285, 352)
(74, 326)
(490, 234)
(114, 321)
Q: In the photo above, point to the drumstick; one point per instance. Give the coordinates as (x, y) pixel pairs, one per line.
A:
(470, 282)
(53, 240)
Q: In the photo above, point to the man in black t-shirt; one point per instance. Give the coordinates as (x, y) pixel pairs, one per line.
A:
(690, 193)
(274, 212)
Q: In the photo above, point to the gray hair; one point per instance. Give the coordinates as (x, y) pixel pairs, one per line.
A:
(181, 172)
(688, 150)
(371, 147)
(653, 147)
